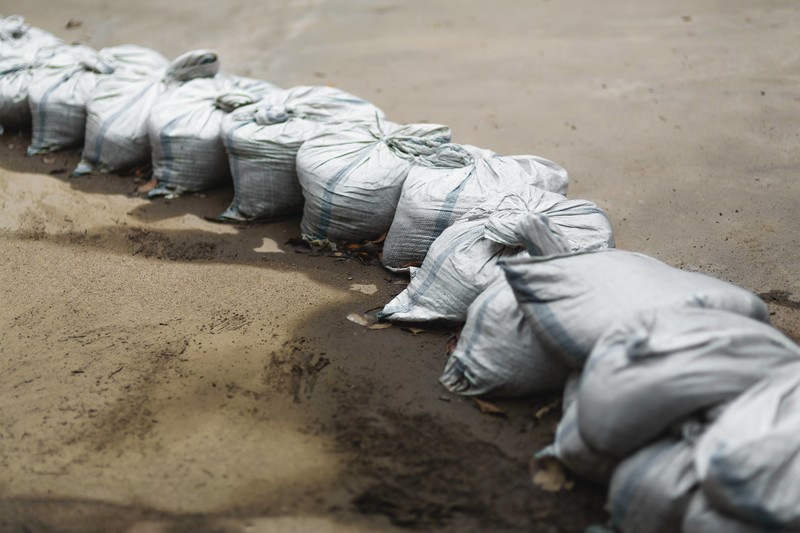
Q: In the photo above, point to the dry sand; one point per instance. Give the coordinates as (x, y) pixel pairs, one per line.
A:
(163, 373)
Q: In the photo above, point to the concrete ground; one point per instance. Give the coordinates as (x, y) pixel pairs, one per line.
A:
(163, 373)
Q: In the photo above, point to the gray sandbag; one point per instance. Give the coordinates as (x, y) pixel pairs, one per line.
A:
(59, 90)
(572, 300)
(119, 107)
(650, 490)
(262, 141)
(16, 35)
(463, 260)
(749, 458)
(570, 448)
(188, 153)
(352, 177)
(700, 517)
(449, 183)
(658, 368)
(497, 352)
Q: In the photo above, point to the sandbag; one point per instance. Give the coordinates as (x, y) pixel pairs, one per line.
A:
(262, 141)
(23, 49)
(184, 132)
(352, 178)
(463, 260)
(119, 107)
(749, 459)
(16, 72)
(448, 184)
(497, 352)
(700, 517)
(572, 300)
(650, 491)
(16, 35)
(60, 89)
(656, 369)
(571, 449)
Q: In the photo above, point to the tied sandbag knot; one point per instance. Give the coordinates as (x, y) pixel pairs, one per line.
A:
(230, 101)
(275, 114)
(194, 64)
(13, 27)
(449, 156)
(98, 65)
(413, 147)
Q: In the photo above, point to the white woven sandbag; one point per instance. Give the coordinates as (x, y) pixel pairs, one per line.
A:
(572, 450)
(16, 35)
(60, 89)
(262, 141)
(188, 153)
(352, 178)
(749, 458)
(118, 109)
(662, 366)
(16, 72)
(650, 490)
(452, 181)
(497, 352)
(572, 300)
(550, 176)
(463, 260)
(700, 517)
(22, 50)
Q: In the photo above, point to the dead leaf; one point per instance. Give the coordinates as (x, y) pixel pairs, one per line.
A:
(490, 408)
(549, 475)
(49, 159)
(452, 342)
(367, 322)
(147, 186)
(379, 240)
(547, 408)
(415, 331)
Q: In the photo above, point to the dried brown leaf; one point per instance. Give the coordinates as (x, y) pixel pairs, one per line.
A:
(549, 475)
(490, 408)
(452, 342)
(367, 322)
(147, 186)
(546, 409)
(415, 331)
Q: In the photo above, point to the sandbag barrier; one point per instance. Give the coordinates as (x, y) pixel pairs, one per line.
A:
(678, 393)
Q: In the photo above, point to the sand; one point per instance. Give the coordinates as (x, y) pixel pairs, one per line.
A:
(164, 373)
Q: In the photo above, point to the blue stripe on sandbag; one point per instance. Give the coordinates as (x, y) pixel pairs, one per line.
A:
(476, 332)
(440, 260)
(446, 211)
(327, 195)
(743, 498)
(547, 321)
(43, 101)
(233, 162)
(166, 148)
(101, 133)
(619, 507)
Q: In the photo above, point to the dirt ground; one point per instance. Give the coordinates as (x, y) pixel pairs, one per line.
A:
(164, 373)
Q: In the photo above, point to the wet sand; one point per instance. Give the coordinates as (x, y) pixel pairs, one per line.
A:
(164, 373)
